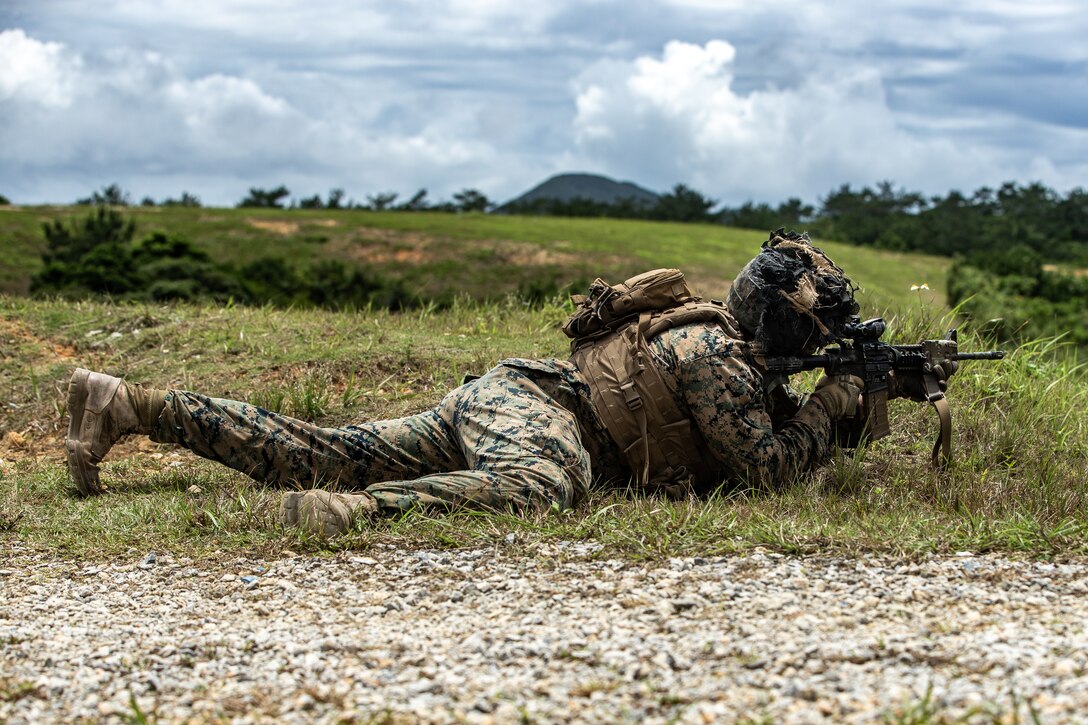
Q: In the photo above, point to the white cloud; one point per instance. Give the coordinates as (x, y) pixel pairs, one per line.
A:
(33, 72)
(677, 118)
(794, 97)
(80, 121)
(482, 23)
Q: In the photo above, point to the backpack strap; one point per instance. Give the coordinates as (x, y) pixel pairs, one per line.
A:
(637, 405)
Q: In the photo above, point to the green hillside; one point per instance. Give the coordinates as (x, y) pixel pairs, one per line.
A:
(483, 256)
(1021, 441)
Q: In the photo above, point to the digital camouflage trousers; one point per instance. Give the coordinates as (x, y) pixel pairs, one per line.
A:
(506, 441)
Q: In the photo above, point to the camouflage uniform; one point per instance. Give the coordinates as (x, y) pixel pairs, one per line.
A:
(718, 381)
(520, 437)
(523, 436)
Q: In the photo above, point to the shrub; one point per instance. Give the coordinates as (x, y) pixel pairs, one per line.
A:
(186, 200)
(88, 256)
(112, 195)
(1017, 307)
(97, 255)
(265, 198)
(270, 280)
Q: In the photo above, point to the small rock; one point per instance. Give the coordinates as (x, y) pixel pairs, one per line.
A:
(194, 490)
(684, 604)
(1065, 668)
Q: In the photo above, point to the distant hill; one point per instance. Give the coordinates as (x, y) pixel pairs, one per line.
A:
(599, 189)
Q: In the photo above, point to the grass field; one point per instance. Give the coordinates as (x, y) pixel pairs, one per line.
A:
(478, 255)
(1018, 484)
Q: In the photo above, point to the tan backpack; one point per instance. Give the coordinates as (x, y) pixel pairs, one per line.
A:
(635, 402)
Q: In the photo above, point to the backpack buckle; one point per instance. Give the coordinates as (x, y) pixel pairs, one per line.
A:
(631, 396)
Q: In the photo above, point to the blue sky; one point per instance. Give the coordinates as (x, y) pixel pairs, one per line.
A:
(742, 100)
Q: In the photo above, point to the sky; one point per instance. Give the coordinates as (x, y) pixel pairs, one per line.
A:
(740, 100)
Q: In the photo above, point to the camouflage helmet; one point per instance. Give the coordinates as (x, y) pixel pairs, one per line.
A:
(791, 297)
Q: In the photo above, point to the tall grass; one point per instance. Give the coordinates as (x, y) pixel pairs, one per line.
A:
(1017, 483)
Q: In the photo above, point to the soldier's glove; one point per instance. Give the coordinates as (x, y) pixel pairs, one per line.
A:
(944, 369)
(912, 385)
(839, 394)
(907, 385)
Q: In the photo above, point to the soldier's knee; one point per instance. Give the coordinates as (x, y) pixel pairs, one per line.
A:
(544, 486)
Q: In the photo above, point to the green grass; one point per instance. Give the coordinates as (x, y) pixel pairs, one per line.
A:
(928, 710)
(1017, 486)
(479, 255)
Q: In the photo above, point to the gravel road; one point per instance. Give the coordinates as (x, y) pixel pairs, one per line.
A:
(555, 635)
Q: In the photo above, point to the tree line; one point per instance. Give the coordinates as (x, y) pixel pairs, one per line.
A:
(1032, 215)
(279, 197)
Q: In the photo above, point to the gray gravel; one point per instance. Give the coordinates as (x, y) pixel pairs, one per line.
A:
(559, 635)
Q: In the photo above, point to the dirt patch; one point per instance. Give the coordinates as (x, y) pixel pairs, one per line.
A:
(31, 444)
(520, 255)
(324, 223)
(30, 428)
(375, 255)
(48, 351)
(388, 246)
(1055, 269)
(284, 229)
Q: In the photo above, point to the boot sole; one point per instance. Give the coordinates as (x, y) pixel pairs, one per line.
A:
(80, 466)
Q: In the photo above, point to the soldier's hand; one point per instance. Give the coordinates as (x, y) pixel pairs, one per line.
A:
(944, 369)
(839, 394)
(913, 386)
(907, 385)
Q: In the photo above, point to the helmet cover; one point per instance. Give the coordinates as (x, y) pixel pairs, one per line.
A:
(791, 298)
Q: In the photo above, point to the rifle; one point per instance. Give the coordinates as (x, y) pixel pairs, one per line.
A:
(864, 354)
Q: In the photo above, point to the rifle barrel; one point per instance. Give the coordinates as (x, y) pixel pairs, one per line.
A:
(988, 355)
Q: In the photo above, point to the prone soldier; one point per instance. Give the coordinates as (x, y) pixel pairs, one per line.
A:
(659, 396)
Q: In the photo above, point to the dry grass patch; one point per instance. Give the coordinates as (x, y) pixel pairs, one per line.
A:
(282, 228)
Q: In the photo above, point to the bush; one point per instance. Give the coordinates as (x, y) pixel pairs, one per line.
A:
(333, 284)
(265, 198)
(88, 256)
(186, 200)
(111, 195)
(97, 255)
(68, 244)
(1017, 307)
(270, 280)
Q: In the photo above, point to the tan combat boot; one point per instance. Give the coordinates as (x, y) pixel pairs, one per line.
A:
(101, 410)
(324, 513)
